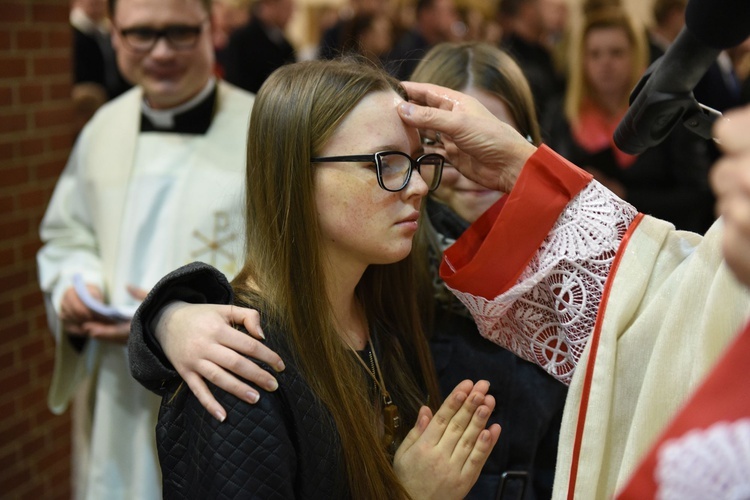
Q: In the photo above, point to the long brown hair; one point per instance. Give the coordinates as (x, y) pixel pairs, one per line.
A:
(459, 66)
(295, 113)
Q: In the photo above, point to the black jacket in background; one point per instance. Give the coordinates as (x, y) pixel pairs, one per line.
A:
(529, 402)
(252, 55)
(668, 181)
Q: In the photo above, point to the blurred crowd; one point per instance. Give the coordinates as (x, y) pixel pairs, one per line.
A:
(581, 61)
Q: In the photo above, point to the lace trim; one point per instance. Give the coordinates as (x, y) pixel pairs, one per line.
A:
(710, 463)
(547, 317)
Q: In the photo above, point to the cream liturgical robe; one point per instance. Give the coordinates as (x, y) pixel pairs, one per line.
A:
(129, 208)
(628, 311)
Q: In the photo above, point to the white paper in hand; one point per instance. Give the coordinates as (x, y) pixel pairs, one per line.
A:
(100, 308)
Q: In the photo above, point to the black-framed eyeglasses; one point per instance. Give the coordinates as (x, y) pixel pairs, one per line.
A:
(394, 168)
(178, 36)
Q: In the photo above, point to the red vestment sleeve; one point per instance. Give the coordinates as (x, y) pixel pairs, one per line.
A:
(491, 254)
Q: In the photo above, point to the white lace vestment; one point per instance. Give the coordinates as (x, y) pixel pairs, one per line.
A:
(547, 317)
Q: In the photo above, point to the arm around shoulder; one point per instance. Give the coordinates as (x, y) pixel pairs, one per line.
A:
(196, 283)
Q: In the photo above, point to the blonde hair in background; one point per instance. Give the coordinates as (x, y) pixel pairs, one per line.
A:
(606, 17)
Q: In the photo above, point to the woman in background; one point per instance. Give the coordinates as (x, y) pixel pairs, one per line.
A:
(669, 181)
(530, 402)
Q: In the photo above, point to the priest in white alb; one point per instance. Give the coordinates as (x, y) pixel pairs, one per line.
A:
(155, 181)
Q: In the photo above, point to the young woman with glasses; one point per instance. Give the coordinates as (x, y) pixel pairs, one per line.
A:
(333, 203)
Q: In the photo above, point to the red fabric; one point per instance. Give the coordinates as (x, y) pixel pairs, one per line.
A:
(594, 343)
(595, 131)
(488, 258)
(723, 396)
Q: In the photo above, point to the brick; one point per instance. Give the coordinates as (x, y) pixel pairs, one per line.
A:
(6, 255)
(31, 147)
(51, 65)
(7, 358)
(10, 281)
(7, 309)
(13, 478)
(32, 443)
(60, 37)
(50, 13)
(32, 346)
(6, 95)
(58, 426)
(14, 122)
(52, 458)
(36, 489)
(31, 248)
(13, 427)
(8, 458)
(5, 40)
(34, 404)
(7, 204)
(50, 170)
(36, 198)
(13, 66)
(29, 39)
(53, 117)
(14, 379)
(13, 12)
(29, 301)
(13, 228)
(44, 367)
(60, 91)
(31, 93)
(6, 151)
(15, 176)
(61, 481)
(62, 142)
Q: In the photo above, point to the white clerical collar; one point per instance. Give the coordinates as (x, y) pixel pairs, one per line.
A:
(164, 118)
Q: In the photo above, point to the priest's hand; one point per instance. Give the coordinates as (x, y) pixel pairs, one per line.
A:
(443, 455)
(78, 320)
(74, 313)
(202, 344)
(730, 179)
(484, 149)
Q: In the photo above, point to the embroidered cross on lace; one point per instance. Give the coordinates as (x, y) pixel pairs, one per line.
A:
(549, 314)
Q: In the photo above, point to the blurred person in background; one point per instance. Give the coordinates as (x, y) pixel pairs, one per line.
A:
(668, 21)
(669, 181)
(226, 17)
(369, 35)
(436, 21)
(337, 36)
(154, 181)
(96, 78)
(523, 28)
(529, 402)
(255, 50)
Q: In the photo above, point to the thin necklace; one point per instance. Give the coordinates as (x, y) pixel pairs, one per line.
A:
(391, 419)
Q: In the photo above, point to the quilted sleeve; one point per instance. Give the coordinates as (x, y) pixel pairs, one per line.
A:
(250, 454)
(197, 283)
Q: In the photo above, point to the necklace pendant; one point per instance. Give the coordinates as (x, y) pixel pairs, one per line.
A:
(391, 423)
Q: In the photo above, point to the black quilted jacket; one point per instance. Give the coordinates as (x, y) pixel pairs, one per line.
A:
(285, 446)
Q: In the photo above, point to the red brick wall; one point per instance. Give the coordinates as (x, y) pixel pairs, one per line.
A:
(36, 134)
